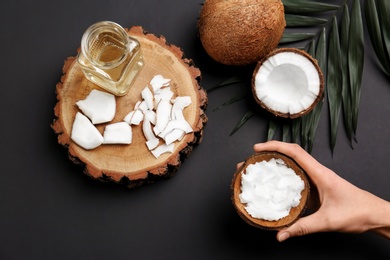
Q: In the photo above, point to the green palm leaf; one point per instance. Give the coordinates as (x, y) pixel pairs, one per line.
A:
(272, 126)
(289, 37)
(315, 114)
(375, 31)
(243, 120)
(334, 81)
(293, 20)
(304, 6)
(356, 60)
(384, 7)
(346, 89)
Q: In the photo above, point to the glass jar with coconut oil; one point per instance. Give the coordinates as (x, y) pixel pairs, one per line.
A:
(109, 57)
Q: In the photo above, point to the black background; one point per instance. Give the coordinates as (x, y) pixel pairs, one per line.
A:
(50, 210)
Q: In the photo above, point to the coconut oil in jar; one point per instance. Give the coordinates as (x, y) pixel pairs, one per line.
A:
(109, 57)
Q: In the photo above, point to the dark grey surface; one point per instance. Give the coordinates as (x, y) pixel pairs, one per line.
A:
(51, 210)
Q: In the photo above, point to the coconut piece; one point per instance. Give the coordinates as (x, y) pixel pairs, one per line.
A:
(176, 124)
(164, 94)
(147, 95)
(163, 148)
(174, 135)
(151, 116)
(151, 140)
(157, 82)
(84, 133)
(288, 83)
(134, 117)
(178, 115)
(117, 133)
(99, 106)
(163, 113)
(270, 192)
(181, 102)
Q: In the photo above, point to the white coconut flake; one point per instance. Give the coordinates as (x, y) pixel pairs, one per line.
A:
(99, 106)
(84, 133)
(151, 140)
(158, 82)
(270, 189)
(163, 148)
(174, 135)
(181, 102)
(136, 117)
(147, 95)
(163, 113)
(117, 133)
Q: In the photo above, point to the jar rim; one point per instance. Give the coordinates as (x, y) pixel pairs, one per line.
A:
(90, 34)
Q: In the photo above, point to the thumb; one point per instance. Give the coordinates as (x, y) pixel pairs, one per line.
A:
(303, 226)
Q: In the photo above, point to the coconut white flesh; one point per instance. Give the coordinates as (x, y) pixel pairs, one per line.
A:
(287, 82)
(99, 106)
(147, 95)
(270, 189)
(117, 133)
(151, 140)
(157, 82)
(163, 113)
(163, 148)
(178, 115)
(134, 117)
(174, 135)
(84, 133)
(151, 116)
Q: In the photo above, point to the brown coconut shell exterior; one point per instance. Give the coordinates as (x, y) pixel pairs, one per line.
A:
(295, 212)
(240, 32)
(320, 74)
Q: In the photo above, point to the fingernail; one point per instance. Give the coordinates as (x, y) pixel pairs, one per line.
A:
(283, 236)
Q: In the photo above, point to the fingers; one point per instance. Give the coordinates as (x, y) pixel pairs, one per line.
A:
(238, 166)
(303, 226)
(297, 153)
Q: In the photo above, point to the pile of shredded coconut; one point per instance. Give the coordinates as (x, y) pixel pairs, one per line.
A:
(270, 189)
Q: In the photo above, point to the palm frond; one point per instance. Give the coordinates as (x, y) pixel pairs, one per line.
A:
(334, 81)
(290, 37)
(243, 120)
(356, 60)
(346, 88)
(304, 6)
(231, 101)
(272, 126)
(232, 80)
(294, 20)
(378, 26)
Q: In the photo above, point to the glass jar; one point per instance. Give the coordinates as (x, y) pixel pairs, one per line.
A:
(109, 57)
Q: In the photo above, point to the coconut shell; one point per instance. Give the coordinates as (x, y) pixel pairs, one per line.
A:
(320, 74)
(295, 212)
(240, 32)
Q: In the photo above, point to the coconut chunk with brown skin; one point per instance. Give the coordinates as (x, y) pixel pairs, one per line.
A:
(288, 82)
(99, 106)
(84, 133)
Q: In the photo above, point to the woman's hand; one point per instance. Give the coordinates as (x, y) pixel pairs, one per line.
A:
(343, 206)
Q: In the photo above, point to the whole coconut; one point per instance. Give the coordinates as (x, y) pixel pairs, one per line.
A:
(240, 32)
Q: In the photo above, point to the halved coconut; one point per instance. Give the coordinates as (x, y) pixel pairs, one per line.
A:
(288, 82)
(261, 192)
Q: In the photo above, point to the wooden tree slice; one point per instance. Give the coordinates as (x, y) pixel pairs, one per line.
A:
(133, 164)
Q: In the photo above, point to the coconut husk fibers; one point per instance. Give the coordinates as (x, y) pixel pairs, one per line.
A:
(295, 212)
(240, 32)
(315, 64)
